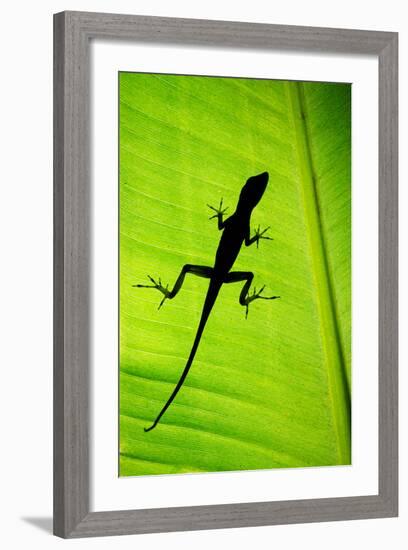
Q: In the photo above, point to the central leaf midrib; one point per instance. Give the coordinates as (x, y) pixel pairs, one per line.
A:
(333, 356)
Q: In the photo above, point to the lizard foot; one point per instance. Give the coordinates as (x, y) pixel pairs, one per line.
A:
(158, 285)
(219, 212)
(254, 296)
(261, 235)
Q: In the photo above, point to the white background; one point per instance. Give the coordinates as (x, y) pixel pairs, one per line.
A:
(26, 275)
(108, 490)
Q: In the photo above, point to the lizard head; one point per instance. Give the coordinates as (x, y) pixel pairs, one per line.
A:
(253, 190)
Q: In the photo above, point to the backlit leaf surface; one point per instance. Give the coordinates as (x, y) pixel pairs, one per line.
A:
(273, 390)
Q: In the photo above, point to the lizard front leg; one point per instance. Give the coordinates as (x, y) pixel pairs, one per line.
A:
(219, 214)
(245, 298)
(199, 270)
(258, 235)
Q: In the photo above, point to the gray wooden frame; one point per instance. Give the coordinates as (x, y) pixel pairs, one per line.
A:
(72, 34)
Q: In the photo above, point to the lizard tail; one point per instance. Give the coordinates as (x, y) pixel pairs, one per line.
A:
(212, 294)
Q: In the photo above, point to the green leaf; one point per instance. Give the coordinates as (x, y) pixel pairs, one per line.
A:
(272, 390)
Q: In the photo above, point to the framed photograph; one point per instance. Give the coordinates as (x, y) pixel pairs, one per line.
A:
(225, 289)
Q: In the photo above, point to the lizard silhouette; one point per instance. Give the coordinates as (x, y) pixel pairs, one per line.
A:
(236, 231)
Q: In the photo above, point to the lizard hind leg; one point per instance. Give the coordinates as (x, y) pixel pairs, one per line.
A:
(245, 298)
(157, 285)
(199, 270)
(255, 296)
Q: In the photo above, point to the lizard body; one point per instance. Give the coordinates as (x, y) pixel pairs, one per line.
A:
(235, 232)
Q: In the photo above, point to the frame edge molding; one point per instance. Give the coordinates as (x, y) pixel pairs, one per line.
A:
(72, 32)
